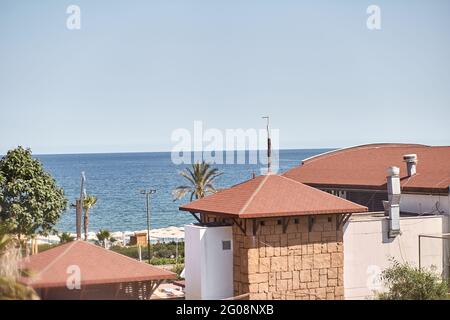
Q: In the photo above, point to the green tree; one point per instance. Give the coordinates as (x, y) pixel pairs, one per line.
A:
(404, 282)
(200, 178)
(30, 199)
(103, 236)
(65, 237)
(88, 202)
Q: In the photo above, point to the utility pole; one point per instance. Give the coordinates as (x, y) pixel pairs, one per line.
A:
(79, 206)
(147, 206)
(269, 147)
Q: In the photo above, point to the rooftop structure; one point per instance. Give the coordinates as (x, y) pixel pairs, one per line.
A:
(292, 236)
(364, 167)
(271, 196)
(272, 227)
(96, 268)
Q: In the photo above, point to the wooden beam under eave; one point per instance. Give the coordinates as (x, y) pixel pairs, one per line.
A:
(285, 224)
(153, 286)
(243, 229)
(196, 217)
(311, 221)
(342, 219)
(255, 226)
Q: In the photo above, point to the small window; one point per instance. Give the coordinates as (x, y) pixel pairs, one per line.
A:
(296, 221)
(226, 245)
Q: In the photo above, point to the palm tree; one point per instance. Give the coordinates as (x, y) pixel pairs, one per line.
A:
(103, 236)
(200, 178)
(65, 237)
(88, 202)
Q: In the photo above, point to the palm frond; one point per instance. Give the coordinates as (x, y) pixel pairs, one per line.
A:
(89, 201)
(180, 192)
(200, 176)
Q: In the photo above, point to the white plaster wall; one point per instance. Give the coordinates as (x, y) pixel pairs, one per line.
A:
(367, 250)
(194, 262)
(208, 268)
(422, 203)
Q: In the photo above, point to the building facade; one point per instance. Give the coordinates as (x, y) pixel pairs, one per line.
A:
(307, 234)
(287, 237)
(294, 263)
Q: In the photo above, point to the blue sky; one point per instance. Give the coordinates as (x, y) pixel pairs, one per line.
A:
(137, 70)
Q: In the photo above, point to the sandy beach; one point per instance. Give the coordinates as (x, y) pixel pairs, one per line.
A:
(167, 234)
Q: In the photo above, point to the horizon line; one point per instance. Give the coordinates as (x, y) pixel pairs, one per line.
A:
(193, 151)
(159, 151)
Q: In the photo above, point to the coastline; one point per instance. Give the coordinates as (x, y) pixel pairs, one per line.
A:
(160, 235)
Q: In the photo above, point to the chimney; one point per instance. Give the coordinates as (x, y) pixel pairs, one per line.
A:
(411, 163)
(392, 206)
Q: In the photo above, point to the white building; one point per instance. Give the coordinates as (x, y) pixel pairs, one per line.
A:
(291, 241)
(360, 174)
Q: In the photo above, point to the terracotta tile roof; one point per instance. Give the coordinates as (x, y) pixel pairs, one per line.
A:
(271, 196)
(365, 167)
(97, 266)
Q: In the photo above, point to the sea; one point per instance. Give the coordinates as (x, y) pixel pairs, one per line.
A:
(117, 179)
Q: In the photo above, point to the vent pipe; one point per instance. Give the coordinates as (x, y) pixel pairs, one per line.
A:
(411, 163)
(392, 206)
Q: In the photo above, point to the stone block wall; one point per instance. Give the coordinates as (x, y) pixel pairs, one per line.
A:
(296, 264)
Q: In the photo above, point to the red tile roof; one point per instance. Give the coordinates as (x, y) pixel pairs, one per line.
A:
(365, 167)
(97, 266)
(271, 196)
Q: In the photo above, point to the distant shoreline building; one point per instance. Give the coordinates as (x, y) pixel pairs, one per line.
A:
(325, 229)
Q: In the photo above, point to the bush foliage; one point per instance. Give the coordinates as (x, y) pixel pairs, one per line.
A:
(405, 282)
(162, 253)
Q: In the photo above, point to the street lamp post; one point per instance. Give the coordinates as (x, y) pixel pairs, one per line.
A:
(147, 206)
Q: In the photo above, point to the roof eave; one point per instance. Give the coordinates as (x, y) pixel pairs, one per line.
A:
(278, 215)
(381, 188)
(39, 285)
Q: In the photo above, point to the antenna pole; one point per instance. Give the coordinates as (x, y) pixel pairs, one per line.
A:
(269, 146)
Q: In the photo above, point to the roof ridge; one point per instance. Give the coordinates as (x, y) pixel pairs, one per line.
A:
(33, 279)
(362, 146)
(253, 195)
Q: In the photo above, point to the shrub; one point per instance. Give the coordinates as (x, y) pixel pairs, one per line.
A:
(46, 246)
(178, 268)
(65, 237)
(162, 253)
(161, 261)
(404, 282)
(10, 269)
